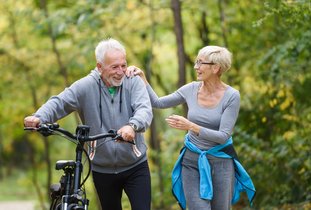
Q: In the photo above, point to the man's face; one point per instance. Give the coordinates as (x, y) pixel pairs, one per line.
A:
(114, 67)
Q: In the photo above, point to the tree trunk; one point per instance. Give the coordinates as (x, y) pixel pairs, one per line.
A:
(223, 23)
(204, 30)
(155, 141)
(178, 28)
(62, 68)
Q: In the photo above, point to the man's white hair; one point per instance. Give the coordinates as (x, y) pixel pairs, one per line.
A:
(106, 45)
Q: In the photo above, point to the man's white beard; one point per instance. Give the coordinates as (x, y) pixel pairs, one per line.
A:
(112, 82)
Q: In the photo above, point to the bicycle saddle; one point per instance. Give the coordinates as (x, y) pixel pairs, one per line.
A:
(61, 164)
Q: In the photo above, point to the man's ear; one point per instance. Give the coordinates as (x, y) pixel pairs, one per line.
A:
(98, 65)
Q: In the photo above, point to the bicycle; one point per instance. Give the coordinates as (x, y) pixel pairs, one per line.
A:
(70, 193)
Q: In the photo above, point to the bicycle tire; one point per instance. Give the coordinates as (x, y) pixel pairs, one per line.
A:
(56, 204)
(75, 206)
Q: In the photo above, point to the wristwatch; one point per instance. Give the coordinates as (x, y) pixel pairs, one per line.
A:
(135, 127)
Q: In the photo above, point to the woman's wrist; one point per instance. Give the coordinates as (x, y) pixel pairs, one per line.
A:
(194, 128)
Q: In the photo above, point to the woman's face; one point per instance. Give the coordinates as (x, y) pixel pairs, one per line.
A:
(114, 67)
(203, 68)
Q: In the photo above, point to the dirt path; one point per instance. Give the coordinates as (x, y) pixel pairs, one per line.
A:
(17, 205)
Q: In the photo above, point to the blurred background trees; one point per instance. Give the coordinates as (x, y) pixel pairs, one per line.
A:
(46, 45)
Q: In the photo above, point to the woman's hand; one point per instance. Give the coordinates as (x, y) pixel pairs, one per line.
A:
(181, 123)
(133, 71)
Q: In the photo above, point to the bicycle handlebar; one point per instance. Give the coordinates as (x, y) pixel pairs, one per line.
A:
(47, 129)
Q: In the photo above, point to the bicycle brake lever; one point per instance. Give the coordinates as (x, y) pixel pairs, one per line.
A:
(47, 129)
(113, 132)
(120, 138)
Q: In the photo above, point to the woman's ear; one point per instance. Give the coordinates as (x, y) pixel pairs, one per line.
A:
(216, 69)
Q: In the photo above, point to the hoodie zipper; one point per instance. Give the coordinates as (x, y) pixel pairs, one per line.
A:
(114, 113)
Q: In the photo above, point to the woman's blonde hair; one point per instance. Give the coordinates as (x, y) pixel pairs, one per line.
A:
(217, 55)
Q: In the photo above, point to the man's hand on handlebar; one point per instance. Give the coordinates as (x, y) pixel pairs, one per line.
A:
(31, 122)
(127, 133)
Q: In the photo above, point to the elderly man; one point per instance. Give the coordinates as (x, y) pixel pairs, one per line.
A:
(107, 99)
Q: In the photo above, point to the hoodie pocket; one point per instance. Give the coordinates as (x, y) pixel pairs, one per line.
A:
(105, 153)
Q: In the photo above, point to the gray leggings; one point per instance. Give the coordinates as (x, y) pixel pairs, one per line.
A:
(222, 178)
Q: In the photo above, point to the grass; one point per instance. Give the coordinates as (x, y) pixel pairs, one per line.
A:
(16, 186)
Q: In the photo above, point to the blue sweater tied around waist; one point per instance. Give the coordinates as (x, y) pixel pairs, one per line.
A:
(243, 182)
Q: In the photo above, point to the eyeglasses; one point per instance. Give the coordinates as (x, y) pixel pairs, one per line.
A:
(198, 63)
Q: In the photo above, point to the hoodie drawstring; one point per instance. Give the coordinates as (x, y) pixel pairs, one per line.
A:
(100, 103)
(120, 102)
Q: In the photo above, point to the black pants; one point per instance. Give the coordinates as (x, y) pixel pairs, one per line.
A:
(135, 182)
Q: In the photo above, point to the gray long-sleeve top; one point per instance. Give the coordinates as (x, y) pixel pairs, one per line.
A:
(89, 96)
(216, 123)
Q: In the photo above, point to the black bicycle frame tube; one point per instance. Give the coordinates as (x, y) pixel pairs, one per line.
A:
(68, 173)
(78, 167)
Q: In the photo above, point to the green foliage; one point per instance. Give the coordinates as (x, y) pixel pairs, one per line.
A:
(278, 114)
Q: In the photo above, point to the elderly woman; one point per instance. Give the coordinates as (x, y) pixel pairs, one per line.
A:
(204, 176)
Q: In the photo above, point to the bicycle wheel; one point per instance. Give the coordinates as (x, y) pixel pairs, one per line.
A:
(56, 204)
(75, 206)
(56, 196)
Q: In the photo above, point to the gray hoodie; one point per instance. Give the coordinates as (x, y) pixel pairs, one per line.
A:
(89, 96)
